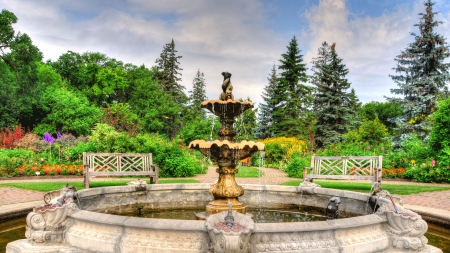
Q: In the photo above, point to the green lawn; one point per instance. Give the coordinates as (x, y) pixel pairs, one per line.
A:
(249, 172)
(51, 186)
(401, 189)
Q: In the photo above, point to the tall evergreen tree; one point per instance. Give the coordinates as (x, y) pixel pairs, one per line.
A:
(291, 114)
(265, 109)
(169, 72)
(197, 95)
(332, 103)
(422, 76)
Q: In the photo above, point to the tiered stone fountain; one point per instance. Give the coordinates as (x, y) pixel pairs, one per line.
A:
(84, 221)
(225, 151)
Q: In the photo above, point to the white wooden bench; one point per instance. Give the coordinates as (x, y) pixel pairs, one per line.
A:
(118, 164)
(345, 167)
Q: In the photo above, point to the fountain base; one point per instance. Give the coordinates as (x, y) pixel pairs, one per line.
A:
(220, 205)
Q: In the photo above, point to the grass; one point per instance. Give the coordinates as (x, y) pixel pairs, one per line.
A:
(51, 186)
(401, 189)
(249, 172)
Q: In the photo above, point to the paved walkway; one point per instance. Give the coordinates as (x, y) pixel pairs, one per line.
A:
(433, 203)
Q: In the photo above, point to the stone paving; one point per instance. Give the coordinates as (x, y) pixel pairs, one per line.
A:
(438, 200)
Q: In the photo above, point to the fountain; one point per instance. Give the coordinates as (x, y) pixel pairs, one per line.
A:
(225, 151)
(85, 221)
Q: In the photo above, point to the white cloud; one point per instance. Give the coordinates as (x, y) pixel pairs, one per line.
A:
(213, 36)
(368, 45)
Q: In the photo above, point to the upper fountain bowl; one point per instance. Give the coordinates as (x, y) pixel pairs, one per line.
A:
(226, 108)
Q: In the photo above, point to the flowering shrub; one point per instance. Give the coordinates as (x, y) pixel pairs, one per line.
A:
(394, 173)
(8, 137)
(280, 149)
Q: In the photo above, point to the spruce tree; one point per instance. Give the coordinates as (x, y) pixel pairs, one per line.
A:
(265, 109)
(169, 72)
(291, 113)
(332, 103)
(197, 95)
(422, 76)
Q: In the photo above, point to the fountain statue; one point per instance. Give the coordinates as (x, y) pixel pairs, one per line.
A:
(225, 151)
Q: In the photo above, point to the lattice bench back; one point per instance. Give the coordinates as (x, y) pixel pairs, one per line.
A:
(345, 167)
(118, 164)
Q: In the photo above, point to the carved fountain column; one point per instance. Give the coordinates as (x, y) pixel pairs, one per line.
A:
(225, 151)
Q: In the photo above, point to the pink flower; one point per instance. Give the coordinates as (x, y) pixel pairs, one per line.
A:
(383, 149)
(368, 147)
(433, 163)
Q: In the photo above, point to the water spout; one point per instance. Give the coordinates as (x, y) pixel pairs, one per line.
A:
(229, 219)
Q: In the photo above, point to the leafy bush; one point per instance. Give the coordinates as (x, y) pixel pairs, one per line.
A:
(280, 149)
(298, 162)
(12, 159)
(105, 139)
(172, 159)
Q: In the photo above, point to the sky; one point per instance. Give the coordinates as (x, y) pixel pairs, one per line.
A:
(245, 38)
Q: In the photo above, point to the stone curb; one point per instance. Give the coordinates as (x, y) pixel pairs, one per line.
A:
(432, 215)
(13, 211)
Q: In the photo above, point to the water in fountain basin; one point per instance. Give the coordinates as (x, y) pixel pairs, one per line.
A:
(259, 215)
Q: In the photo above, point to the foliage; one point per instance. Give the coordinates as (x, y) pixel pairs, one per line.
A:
(67, 111)
(10, 138)
(18, 57)
(107, 140)
(385, 111)
(265, 109)
(280, 149)
(298, 162)
(331, 101)
(197, 95)
(371, 131)
(172, 159)
(168, 71)
(156, 109)
(245, 124)
(199, 128)
(423, 74)
(11, 159)
(440, 134)
(291, 113)
(120, 116)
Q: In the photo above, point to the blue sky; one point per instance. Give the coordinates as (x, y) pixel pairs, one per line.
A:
(245, 38)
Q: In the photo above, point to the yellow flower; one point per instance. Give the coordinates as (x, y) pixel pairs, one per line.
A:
(413, 162)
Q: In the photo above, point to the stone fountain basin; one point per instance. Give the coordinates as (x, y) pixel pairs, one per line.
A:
(102, 231)
(108, 233)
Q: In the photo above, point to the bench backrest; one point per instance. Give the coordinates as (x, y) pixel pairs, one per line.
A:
(346, 166)
(117, 162)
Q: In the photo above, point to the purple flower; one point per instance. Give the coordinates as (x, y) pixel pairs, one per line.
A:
(58, 135)
(48, 138)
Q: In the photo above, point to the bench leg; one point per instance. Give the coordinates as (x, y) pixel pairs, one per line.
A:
(86, 177)
(305, 171)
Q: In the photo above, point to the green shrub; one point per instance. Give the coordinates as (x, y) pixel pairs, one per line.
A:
(12, 159)
(170, 156)
(298, 162)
